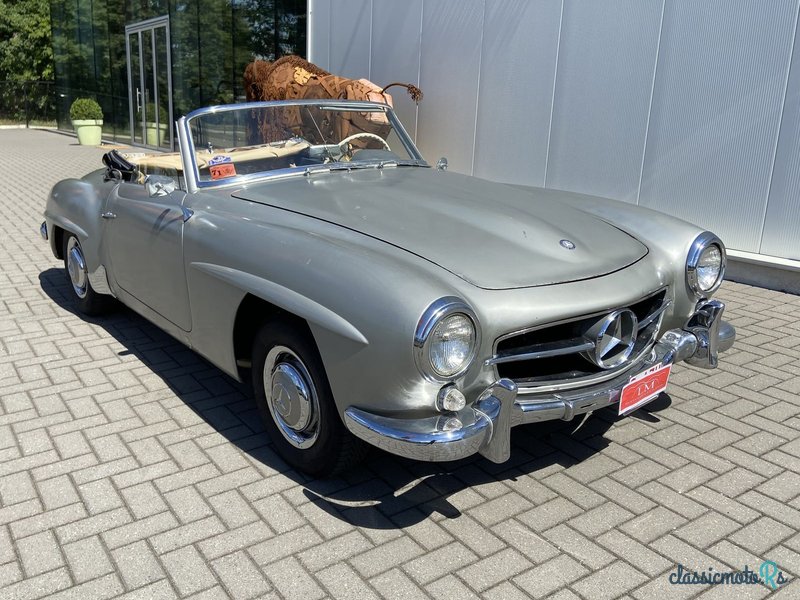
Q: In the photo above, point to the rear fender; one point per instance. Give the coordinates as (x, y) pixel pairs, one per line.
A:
(75, 206)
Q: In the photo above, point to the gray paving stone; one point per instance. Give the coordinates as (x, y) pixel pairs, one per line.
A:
(494, 569)
(335, 550)
(39, 586)
(396, 584)
(635, 553)
(292, 581)
(549, 577)
(550, 513)
(93, 525)
(100, 496)
(653, 524)
(187, 534)
(580, 494)
(188, 504)
(278, 513)
(240, 576)
(137, 564)
(736, 482)
(188, 570)
(474, 535)
(386, 556)
(247, 536)
(276, 548)
(160, 590)
(341, 581)
(108, 586)
(232, 508)
(87, 559)
(610, 582)
(531, 544)
(761, 535)
(447, 560)
(47, 520)
(139, 530)
(450, 587)
(608, 515)
(16, 487)
(39, 553)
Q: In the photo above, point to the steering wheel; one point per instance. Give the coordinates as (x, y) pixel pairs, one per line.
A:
(344, 143)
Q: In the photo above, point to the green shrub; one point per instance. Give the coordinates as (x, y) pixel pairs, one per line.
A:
(163, 119)
(85, 109)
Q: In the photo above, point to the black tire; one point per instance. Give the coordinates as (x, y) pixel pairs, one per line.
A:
(86, 299)
(322, 446)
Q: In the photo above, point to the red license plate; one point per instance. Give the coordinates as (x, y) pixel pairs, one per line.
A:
(643, 388)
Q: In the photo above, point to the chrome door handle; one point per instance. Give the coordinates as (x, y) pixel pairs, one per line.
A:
(108, 215)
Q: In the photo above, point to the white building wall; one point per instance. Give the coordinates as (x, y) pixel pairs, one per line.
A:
(692, 108)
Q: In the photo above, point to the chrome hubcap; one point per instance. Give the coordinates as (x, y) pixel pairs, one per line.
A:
(76, 267)
(291, 397)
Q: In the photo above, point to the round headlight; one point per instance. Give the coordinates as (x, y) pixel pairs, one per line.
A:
(446, 340)
(709, 267)
(705, 265)
(451, 345)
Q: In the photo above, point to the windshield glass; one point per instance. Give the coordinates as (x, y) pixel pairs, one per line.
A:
(236, 142)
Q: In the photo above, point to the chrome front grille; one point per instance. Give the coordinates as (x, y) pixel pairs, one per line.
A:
(554, 356)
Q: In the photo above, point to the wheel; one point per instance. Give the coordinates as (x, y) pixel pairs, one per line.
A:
(346, 146)
(86, 299)
(296, 403)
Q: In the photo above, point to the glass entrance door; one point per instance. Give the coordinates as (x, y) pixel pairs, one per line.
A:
(150, 83)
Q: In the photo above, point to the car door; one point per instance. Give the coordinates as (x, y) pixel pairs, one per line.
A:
(145, 244)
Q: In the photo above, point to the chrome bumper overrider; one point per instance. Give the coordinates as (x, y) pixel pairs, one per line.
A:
(485, 426)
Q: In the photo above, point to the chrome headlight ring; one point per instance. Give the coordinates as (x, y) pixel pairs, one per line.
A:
(434, 315)
(700, 245)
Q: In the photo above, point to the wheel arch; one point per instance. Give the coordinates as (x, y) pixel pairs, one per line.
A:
(256, 299)
(252, 313)
(58, 242)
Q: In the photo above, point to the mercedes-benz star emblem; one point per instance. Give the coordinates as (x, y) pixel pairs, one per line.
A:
(614, 337)
(567, 244)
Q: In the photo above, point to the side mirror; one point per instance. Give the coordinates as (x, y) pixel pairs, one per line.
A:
(441, 164)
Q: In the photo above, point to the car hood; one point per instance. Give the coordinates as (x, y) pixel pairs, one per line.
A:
(492, 235)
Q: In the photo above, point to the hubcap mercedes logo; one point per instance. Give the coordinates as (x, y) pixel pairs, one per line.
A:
(614, 337)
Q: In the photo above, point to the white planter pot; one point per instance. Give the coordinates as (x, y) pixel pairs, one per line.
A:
(90, 131)
(155, 136)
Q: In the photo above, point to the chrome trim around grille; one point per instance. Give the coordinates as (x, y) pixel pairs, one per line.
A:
(576, 345)
(570, 346)
(655, 314)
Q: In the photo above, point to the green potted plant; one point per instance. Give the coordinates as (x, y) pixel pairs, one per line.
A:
(87, 121)
(155, 135)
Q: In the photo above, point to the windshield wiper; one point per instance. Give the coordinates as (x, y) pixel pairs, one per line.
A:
(352, 166)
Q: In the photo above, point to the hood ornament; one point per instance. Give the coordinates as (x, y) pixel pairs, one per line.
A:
(567, 244)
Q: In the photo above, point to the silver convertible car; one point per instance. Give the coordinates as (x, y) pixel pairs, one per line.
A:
(375, 300)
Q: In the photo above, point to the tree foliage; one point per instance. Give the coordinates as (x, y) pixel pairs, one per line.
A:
(26, 50)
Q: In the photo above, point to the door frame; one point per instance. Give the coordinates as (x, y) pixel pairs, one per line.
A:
(139, 28)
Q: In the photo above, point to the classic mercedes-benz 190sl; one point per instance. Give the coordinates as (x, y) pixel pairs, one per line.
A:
(370, 297)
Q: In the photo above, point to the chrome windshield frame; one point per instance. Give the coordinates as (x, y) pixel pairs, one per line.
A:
(187, 148)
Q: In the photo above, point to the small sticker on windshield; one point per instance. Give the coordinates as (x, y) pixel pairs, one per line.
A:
(221, 166)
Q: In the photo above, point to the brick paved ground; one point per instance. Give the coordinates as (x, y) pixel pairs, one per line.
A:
(128, 465)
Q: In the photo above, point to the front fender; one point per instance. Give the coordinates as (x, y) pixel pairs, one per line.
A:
(289, 300)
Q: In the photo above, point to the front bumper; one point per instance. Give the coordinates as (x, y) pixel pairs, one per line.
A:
(485, 426)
